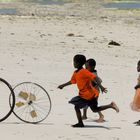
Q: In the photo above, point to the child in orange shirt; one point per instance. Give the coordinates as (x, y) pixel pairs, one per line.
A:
(135, 105)
(87, 93)
(90, 65)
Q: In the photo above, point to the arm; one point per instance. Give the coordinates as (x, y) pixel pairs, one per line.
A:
(72, 81)
(65, 84)
(94, 78)
(98, 81)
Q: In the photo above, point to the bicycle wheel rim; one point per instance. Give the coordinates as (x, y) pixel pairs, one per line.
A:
(26, 108)
(11, 92)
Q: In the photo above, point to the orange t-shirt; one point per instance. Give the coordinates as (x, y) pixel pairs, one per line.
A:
(83, 80)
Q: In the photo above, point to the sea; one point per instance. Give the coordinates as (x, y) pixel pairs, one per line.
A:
(36, 1)
(7, 10)
(115, 4)
(123, 4)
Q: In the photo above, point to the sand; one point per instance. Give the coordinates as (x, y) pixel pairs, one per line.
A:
(37, 47)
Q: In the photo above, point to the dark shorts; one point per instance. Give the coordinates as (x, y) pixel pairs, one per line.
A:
(82, 103)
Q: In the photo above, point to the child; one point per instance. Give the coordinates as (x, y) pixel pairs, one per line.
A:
(90, 65)
(135, 105)
(87, 93)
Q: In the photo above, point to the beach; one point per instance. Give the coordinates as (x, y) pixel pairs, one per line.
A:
(38, 44)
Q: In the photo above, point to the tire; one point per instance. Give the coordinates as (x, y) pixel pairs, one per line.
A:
(33, 103)
(5, 91)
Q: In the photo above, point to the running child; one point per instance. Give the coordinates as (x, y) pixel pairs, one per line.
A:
(90, 65)
(87, 93)
(135, 105)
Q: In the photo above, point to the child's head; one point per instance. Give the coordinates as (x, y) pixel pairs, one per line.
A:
(138, 66)
(90, 64)
(79, 60)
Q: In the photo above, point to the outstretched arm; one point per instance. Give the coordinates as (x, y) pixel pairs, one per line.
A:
(65, 84)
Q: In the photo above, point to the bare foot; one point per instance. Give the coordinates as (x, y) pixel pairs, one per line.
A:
(115, 107)
(100, 120)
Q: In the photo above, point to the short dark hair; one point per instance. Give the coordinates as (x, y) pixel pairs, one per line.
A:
(91, 62)
(80, 59)
(139, 62)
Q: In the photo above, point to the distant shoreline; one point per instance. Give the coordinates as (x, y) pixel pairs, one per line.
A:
(53, 9)
(74, 9)
(124, 5)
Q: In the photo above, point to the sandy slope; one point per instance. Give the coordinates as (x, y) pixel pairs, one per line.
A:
(39, 49)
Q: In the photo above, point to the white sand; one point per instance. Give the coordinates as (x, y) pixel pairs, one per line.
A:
(38, 49)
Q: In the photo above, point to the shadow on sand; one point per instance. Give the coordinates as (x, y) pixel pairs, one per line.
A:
(23, 123)
(99, 126)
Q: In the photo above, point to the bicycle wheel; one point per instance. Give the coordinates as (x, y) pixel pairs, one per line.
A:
(5, 91)
(32, 104)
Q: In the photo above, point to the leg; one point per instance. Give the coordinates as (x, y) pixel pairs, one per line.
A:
(84, 117)
(101, 117)
(100, 108)
(78, 114)
(94, 103)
